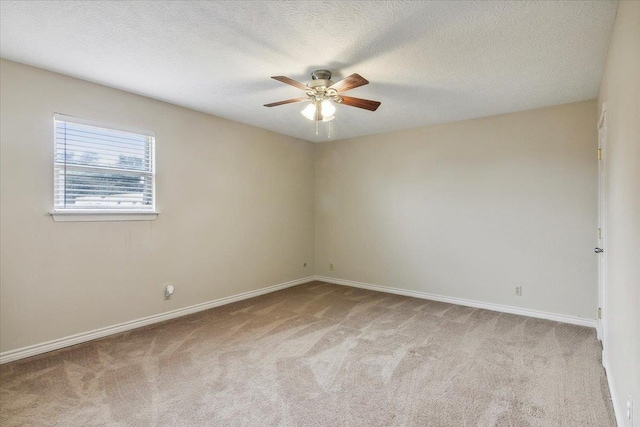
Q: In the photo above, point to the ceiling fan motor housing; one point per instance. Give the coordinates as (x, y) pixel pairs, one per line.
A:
(319, 87)
(320, 78)
(321, 75)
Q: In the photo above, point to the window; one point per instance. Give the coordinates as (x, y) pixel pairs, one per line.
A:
(100, 170)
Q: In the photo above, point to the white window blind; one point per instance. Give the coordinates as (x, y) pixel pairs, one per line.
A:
(98, 169)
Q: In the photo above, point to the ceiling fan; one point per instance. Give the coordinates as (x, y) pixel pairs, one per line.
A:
(321, 91)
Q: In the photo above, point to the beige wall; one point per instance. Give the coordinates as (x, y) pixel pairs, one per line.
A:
(620, 90)
(236, 206)
(469, 209)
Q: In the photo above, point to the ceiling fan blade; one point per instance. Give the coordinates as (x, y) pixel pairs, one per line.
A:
(286, 101)
(360, 103)
(291, 82)
(351, 82)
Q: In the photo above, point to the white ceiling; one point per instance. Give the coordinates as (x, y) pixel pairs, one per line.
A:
(428, 62)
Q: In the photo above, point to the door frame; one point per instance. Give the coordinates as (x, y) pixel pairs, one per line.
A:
(601, 235)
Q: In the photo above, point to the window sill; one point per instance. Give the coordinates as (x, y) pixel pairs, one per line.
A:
(84, 216)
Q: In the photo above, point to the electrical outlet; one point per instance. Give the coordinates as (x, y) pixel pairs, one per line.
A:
(630, 409)
(331, 266)
(168, 291)
(518, 291)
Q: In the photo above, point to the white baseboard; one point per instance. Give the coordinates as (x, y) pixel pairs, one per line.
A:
(45, 347)
(33, 350)
(612, 391)
(469, 303)
(599, 332)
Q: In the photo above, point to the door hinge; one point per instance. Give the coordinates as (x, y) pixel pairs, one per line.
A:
(599, 313)
(599, 233)
(599, 153)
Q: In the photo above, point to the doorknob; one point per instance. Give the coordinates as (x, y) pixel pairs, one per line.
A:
(599, 250)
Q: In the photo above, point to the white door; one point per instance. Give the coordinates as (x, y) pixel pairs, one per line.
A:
(600, 249)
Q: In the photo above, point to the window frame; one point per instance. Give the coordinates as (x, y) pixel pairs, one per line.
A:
(66, 215)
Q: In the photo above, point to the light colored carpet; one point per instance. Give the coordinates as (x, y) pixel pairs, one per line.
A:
(320, 355)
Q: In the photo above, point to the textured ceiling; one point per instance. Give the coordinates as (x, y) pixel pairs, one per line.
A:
(428, 62)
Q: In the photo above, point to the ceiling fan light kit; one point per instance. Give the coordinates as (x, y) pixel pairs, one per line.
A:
(325, 108)
(322, 92)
